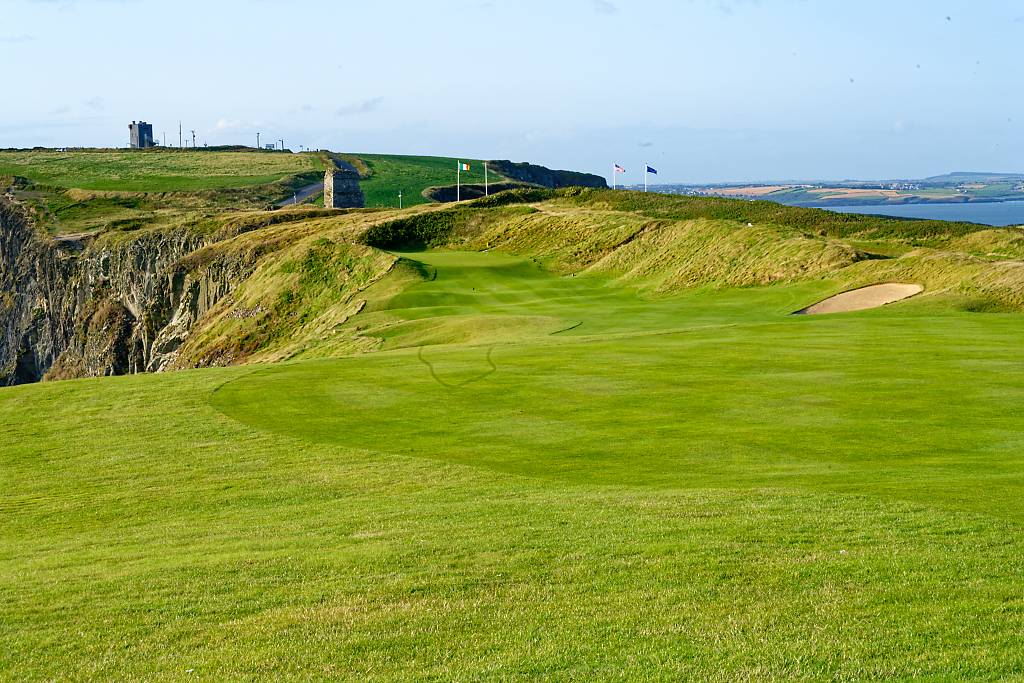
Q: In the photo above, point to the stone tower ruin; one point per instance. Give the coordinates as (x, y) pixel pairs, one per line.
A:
(341, 187)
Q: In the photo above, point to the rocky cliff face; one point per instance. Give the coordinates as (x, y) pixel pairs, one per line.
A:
(546, 177)
(79, 308)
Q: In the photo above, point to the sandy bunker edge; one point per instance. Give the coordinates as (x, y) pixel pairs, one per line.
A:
(863, 298)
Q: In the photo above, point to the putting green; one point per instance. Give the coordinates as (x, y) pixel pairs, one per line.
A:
(706, 389)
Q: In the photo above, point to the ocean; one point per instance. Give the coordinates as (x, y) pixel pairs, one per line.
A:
(988, 213)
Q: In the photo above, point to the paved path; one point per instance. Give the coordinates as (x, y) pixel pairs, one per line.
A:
(308, 191)
(303, 194)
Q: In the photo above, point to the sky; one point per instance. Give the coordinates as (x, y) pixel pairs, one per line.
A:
(702, 90)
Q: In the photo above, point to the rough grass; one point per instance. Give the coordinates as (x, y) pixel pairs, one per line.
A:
(667, 244)
(694, 487)
(273, 314)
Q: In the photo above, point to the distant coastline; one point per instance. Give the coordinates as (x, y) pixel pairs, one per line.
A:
(952, 188)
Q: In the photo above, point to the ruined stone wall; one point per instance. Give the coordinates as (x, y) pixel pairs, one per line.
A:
(341, 187)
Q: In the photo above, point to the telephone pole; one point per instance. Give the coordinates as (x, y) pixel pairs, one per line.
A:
(193, 139)
(179, 134)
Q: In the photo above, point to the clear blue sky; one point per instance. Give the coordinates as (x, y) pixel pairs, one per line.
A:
(704, 90)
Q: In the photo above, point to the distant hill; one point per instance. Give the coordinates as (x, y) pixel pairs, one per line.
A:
(974, 177)
(951, 188)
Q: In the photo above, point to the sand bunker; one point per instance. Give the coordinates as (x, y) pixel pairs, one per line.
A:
(865, 297)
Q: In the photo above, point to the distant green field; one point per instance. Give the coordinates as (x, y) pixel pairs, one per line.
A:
(540, 477)
(155, 171)
(411, 175)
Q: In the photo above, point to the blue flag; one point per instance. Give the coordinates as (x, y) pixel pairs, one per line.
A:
(651, 170)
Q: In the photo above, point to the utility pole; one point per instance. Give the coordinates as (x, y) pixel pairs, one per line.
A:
(193, 139)
(179, 134)
(257, 142)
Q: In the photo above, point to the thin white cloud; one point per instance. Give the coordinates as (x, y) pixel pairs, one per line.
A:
(604, 7)
(362, 107)
(14, 39)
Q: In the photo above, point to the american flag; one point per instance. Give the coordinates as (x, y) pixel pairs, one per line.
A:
(619, 169)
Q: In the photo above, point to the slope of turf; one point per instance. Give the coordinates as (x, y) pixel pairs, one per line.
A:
(389, 174)
(689, 486)
(160, 170)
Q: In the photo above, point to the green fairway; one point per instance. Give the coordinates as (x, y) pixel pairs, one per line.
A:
(155, 170)
(538, 476)
(594, 384)
(410, 175)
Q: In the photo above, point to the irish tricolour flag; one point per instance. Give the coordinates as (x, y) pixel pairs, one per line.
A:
(458, 180)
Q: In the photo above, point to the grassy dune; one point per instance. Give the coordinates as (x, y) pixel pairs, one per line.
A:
(590, 443)
(318, 275)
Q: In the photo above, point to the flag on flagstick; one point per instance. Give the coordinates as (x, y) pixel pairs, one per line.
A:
(458, 180)
(648, 169)
(615, 170)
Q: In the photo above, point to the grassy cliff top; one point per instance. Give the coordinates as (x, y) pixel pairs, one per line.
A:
(387, 174)
(157, 170)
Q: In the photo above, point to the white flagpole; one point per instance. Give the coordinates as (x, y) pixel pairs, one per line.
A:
(487, 188)
(613, 176)
(645, 176)
(458, 182)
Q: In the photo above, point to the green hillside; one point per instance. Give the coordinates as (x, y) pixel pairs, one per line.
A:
(158, 170)
(387, 174)
(547, 435)
(93, 190)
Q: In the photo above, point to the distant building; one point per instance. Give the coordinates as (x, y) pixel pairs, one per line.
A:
(269, 146)
(141, 135)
